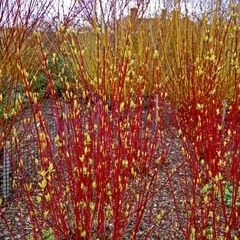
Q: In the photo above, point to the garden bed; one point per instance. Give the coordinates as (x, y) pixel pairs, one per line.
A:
(169, 199)
(163, 200)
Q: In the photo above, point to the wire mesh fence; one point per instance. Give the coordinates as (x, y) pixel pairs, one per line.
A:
(27, 150)
(24, 151)
(6, 174)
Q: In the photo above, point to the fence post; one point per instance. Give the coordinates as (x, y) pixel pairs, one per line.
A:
(157, 106)
(6, 173)
(223, 117)
(224, 112)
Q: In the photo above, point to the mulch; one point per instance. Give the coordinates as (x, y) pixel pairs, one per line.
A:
(170, 194)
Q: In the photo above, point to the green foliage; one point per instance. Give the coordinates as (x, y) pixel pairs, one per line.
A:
(58, 68)
(228, 193)
(48, 234)
(40, 84)
(14, 103)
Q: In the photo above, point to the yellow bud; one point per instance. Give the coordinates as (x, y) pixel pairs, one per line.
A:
(50, 168)
(121, 106)
(43, 184)
(125, 163)
(160, 215)
(14, 132)
(156, 54)
(45, 214)
(84, 170)
(81, 158)
(47, 197)
(83, 234)
(28, 187)
(212, 58)
(35, 100)
(94, 185)
(42, 173)
(92, 206)
(39, 199)
(133, 172)
(199, 106)
(20, 163)
(193, 231)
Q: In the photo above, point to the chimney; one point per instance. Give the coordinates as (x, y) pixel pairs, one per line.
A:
(134, 12)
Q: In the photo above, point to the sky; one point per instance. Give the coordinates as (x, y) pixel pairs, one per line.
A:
(154, 7)
(195, 8)
(61, 7)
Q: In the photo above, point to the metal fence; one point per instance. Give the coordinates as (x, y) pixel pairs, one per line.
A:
(28, 150)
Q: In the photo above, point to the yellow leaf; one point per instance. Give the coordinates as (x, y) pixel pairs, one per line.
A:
(121, 106)
(50, 168)
(39, 199)
(125, 163)
(42, 173)
(83, 234)
(94, 185)
(84, 170)
(199, 106)
(92, 206)
(43, 184)
(47, 197)
(45, 214)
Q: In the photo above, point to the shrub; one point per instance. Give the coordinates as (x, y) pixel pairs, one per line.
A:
(96, 176)
(122, 99)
